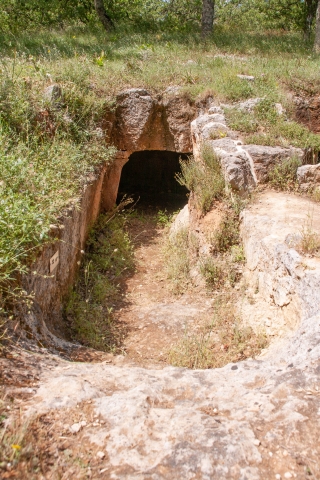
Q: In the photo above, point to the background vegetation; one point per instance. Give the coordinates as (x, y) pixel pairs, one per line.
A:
(161, 15)
(49, 148)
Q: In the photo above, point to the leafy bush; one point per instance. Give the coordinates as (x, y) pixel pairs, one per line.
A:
(213, 271)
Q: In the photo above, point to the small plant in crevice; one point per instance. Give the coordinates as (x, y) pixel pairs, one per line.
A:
(90, 309)
(309, 239)
(204, 178)
(221, 271)
(164, 218)
(283, 176)
(224, 267)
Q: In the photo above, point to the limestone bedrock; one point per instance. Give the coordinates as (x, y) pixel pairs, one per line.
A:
(249, 420)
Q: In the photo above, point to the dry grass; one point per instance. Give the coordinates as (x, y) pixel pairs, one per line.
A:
(12, 438)
(222, 339)
(177, 258)
(310, 240)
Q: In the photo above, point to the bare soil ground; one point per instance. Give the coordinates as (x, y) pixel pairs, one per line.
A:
(155, 317)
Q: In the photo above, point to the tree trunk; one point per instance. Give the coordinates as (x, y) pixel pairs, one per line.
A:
(310, 13)
(317, 39)
(207, 18)
(103, 16)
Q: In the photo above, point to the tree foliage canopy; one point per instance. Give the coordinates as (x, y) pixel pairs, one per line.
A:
(182, 14)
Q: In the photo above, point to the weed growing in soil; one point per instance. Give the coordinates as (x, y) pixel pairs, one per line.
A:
(222, 340)
(220, 271)
(310, 240)
(109, 258)
(164, 218)
(228, 233)
(203, 178)
(176, 255)
(284, 175)
(12, 438)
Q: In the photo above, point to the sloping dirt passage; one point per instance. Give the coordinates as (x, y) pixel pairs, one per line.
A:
(155, 317)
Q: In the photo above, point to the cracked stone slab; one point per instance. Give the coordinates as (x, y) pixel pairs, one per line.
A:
(264, 158)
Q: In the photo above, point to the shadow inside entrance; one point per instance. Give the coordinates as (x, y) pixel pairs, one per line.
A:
(149, 178)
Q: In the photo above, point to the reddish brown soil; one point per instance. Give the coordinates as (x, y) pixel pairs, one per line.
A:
(154, 316)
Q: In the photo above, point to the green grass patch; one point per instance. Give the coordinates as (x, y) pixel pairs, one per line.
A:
(264, 126)
(90, 309)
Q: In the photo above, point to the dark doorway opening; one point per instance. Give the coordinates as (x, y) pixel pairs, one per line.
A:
(149, 178)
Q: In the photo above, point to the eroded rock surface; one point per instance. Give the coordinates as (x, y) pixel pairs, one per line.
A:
(143, 122)
(308, 176)
(249, 420)
(264, 158)
(245, 166)
(284, 282)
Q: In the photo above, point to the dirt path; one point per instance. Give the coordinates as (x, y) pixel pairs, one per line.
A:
(154, 316)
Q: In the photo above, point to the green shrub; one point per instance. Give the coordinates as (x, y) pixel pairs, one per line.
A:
(204, 178)
(284, 175)
(164, 218)
(108, 259)
(228, 233)
(212, 270)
